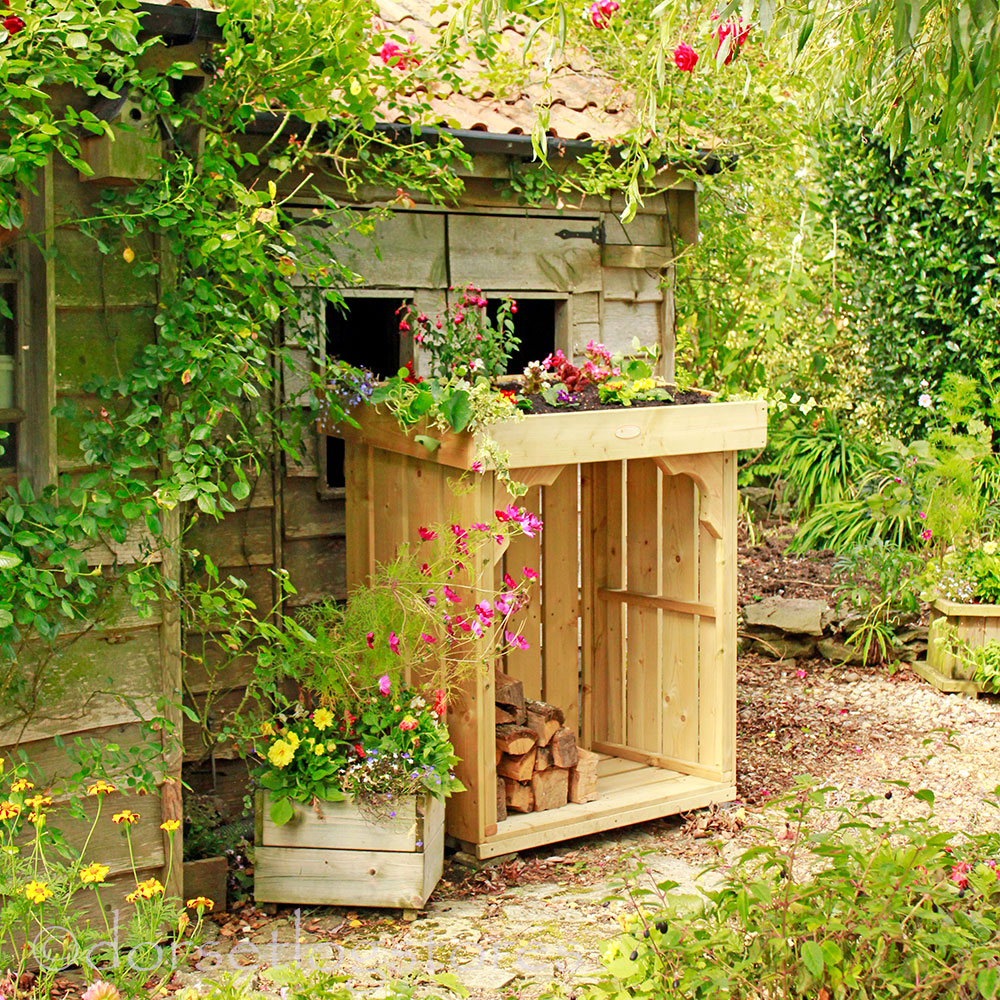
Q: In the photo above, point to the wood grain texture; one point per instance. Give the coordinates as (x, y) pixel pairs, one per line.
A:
(560, 596)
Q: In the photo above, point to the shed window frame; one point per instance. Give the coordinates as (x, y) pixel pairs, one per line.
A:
(13, 418)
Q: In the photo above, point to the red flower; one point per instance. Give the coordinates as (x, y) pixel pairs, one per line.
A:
(685, 58)
(739, 30)
(360, 750)
(439, 707)
(411, 378)
(13, 24)
(426, 534)
(509, 394)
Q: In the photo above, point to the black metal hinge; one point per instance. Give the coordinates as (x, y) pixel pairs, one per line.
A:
(595, 235)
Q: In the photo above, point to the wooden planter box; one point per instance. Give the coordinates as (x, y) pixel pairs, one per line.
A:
(635, 633)
(952, 626)
(337, 857)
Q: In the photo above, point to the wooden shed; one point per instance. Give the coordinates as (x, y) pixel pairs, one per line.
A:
(577, 272)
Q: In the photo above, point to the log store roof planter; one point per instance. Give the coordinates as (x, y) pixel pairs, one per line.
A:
(634, 638)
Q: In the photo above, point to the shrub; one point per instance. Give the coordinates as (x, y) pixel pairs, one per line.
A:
(922, 244)
(842, 903)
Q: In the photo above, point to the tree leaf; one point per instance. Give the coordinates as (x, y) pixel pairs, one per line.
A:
(812, 957)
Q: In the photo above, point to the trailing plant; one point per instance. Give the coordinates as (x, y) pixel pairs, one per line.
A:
(841, 902)
(984, 663)
(426, 614)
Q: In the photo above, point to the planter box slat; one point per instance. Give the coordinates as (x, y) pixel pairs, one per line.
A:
(634, 636)
(343, 859)
(953, 625)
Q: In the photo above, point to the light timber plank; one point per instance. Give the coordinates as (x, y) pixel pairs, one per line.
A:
(610, 811)
(609, 570)
(560, 597)
(666, 761)
(339, 878)
(360, 555)
(341, 825)
(651, 257)
(578, 783)
(679, 514)
(642, 556)
(628, 597)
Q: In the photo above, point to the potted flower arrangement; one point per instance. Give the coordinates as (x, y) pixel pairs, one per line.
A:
(960, 525)
(354, 771)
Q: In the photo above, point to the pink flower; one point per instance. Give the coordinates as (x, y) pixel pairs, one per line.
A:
(476, 467)
(502, 515)
(408, 723)
(599, 14)
(501, 604)
(370, 639)
(800, 674)
(926, 535)
(516, 640)
(427, 638)
(530, 573)
(959, 874)
(425, 569)
(384, 685)
(426, 534)
(394, 642)
(738, 29)
(508, 581)
(440, 706)
(451, 596)
(480, 526)
(531, 525)
(922, 515)
(430, 599)
(685, 59)
(476, 627)
(485, 612)
(101, 990)
(403, 57)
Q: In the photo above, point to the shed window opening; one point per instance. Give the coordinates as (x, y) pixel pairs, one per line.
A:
(534, 326)
(10, 413)
(363, 332)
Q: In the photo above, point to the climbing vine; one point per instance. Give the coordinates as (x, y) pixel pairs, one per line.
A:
(291, 93)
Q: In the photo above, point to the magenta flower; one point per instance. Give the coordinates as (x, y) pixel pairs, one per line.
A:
(685, 59)
(426, 534)
(508, 581)
(926, 535)
(430, 599)
(370, 639)
(450, 595)
(530, 573)
(476, 467)
(394, 642)
(922, 515)
(599, 12)
(428, 638)
(384, 685)
(501, 604)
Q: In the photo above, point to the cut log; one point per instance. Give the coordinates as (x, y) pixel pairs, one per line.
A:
(550, 788)
(544, 719)
(564, 749)
(520, 797)
(520, 768)
(583, 777)
(515, 739)
(501, 799)
(543, 759)
(499, 754)
(509, 693)
(504, 717)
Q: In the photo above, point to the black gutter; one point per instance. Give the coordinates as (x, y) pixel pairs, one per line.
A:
(476, 141)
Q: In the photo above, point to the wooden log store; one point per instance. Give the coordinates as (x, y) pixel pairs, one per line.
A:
(634, 638)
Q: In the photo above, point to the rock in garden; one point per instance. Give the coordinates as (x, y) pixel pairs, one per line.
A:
(838, 652)
(793, 615)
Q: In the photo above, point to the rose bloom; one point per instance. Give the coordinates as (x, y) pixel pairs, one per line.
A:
(685, 58)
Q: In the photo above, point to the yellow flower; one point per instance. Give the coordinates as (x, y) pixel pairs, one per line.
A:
(201, 903)
(37, 801)
(9, 810)
(322, 719)
(150, 888)
(266, 729)
(21, 785)
(126, 816)
(38, 892)
(281, 753)
(331, 748)
(292, 738)
(132, 897)
(643, 384)
(170, 825)
(319, 749)
(101, 787)
(95, 872)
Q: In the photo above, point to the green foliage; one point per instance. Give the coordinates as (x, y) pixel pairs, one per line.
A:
(985, 665)
(921, 242)
(819, 463)
(842, 903)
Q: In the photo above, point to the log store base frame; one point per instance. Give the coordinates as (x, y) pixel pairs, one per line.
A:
(635, 633)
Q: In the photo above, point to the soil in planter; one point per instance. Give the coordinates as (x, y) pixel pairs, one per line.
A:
(589, 399)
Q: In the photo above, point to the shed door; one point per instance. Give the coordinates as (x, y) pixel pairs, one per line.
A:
(523, 254)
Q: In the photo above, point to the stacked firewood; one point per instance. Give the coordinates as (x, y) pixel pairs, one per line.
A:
(539, 765)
